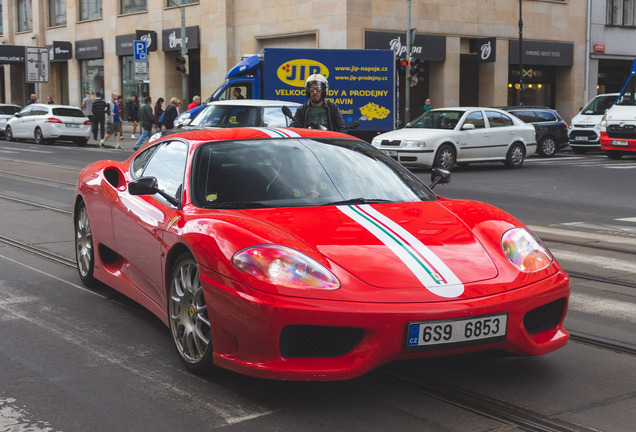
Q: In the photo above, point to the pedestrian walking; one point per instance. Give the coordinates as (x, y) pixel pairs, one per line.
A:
(172, 112)
(87, 107)
(113, 122)
(132, 110)
(146, 122)
(99, 116)
(158, 112)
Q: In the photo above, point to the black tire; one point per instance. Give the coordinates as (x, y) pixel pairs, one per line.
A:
(515, 156)
(547, 147)
(84, 246)
(39, 138)
(188, 316)
(579, 150)
(614, 154)
(8, 134)
(445, 157)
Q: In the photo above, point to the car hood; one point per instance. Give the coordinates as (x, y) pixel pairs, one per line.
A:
(587, 119)
(618, 112)
(401, 245)
(414, 134)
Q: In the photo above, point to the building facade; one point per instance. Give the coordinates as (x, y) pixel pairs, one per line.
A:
(468, 49)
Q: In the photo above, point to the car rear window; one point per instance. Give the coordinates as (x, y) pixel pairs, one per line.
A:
(68, 112)
(10, 110)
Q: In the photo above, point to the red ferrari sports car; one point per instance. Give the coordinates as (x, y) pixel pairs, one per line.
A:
(309, 255)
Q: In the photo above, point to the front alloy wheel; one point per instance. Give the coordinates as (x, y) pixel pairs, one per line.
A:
(84, 247)
(445, 158)
(188, 315)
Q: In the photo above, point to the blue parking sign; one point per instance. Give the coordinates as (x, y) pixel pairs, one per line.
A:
(140, 50)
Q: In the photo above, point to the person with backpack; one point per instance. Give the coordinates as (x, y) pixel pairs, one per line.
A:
(146, 121)
(171, 113)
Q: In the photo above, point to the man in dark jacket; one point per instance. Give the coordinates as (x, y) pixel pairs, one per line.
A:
(317, 112)
(146, 121)
(172, 112)
(99, 116)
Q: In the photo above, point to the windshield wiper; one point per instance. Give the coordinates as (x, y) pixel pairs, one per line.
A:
(360, 201)
(237, 205)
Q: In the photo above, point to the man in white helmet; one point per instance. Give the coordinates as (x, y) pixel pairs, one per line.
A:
(317, 112)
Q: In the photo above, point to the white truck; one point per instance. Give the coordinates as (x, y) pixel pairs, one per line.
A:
(618, 126)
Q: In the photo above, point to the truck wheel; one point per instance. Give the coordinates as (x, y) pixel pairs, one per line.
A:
(614, 154)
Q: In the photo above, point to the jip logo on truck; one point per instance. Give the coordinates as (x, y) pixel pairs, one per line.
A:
(295, 72)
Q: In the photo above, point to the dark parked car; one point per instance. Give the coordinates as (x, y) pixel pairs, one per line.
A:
(551, 129)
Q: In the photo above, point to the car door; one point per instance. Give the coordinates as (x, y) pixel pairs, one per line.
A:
(139, 221)
(502, 132)
(473, 137)
(18, 123)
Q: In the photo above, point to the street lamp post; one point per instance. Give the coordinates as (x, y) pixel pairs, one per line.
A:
(520, 53)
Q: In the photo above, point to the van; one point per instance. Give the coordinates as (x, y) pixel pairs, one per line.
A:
(585, 127)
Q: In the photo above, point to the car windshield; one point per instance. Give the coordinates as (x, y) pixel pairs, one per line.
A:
(437, 119)
(228, 116)
(68, 112)
(628, 94)
(599, 105)
(10, 110)
(299, 172)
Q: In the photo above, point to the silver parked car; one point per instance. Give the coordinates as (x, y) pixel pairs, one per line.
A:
(6, 112)
(47, 123)
(446, 136)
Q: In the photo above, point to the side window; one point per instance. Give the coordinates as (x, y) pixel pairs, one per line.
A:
(167, 165)
(545, 116)
(274, 117)
(526, 116)
(497, 119)
(239, 91)
(476, 118)
(141, 160)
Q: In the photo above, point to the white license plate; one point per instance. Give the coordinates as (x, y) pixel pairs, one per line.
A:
(457, 332)
(71, 125)
(619, 143)
(390, 152)
(580, 138)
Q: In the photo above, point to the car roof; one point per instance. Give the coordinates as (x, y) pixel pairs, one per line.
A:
(532, 107)
(254, 102)
(53, 106)
(10, 104)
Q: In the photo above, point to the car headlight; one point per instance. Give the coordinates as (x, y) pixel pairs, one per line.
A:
(604, 120)
(413, 143)
(525, 251)
(155, 137)
(376, 142)
(284, 266)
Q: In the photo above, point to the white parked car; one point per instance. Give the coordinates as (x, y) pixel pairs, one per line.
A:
(585, 127)
(446, 136)
(47, 123)
(6, 112)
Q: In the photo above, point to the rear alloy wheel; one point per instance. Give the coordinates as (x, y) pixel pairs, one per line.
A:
(39, 138)
(445, 157)
(84, 247)
(515, 156)
(188, 315)
(547, 147)
(8, 134)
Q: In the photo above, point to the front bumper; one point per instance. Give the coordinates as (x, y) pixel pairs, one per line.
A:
(415, 157)
(253, 332)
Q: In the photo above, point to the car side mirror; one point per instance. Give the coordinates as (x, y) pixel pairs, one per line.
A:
(439, 176)
(149, 186)
(468, 126)
(287, 112)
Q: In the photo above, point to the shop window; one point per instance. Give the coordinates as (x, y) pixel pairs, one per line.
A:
(90, 9)
(621, 13)
(132, 6)
(92, 76)
(25, 15)
(129, 84)
(57, 12)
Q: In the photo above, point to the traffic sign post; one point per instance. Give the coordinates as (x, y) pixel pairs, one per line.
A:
(36, 62)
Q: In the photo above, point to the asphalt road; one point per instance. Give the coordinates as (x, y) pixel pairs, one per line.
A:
(74, 359)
